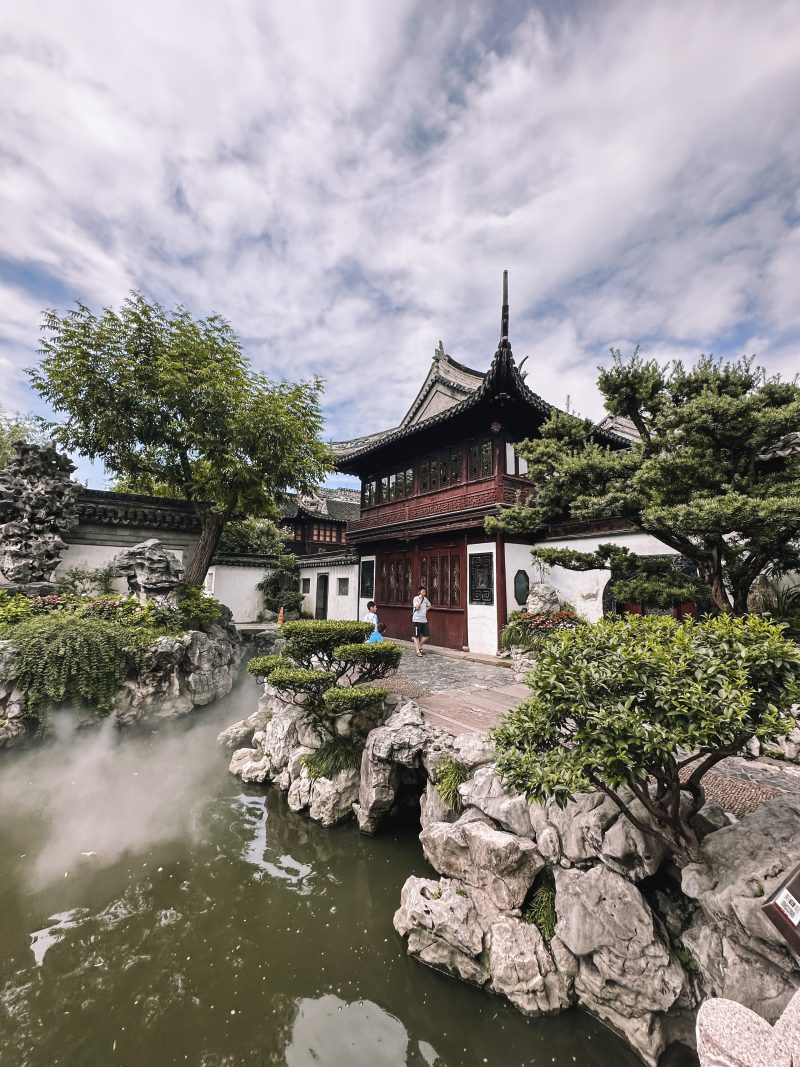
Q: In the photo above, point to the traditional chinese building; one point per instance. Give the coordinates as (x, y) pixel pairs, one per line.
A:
(428, 485)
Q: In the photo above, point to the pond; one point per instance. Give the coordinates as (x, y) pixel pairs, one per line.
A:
(155, 913)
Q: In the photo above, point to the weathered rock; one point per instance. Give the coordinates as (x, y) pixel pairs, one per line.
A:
(331, 799)
(542, 597)
(472, 751)
(433, 809)
(442, 910)
(486, 792)
(250, 764)
(299, 796)
(178, 674)
(438, 954)
(403, 741)
(784, 747)
(629, 851)
(522, 968)
(522, 659)
(152, 571)
(38, 503)
(740, 954)
(476, 853)
(240, 734)
(626, 973)
(580, 826)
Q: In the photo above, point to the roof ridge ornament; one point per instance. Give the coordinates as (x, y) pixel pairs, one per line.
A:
(504, 313)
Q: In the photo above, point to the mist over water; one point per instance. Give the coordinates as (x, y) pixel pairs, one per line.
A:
(100, 794)
(156, 912)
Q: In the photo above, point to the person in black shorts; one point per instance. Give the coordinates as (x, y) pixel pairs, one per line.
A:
(419, 619)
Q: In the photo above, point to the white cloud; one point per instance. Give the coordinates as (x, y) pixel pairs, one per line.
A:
(346, 182)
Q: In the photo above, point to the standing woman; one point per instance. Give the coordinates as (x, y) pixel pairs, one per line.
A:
(419, 619)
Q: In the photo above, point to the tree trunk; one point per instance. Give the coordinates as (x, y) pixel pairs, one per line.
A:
(741, 592)
(710, 569)
(210, 536)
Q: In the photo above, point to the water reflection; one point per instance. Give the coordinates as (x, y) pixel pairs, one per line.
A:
(331, 1030)
(213, 927)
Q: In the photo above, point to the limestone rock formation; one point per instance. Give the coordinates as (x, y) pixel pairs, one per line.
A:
(405, 741)
(479, 855)
(522, 968)
(151, 570)
(740, 953)
(542, 597)
(626, 971)
(178, 674)
(38, 503)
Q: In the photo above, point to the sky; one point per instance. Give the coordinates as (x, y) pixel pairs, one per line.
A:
(345, 183)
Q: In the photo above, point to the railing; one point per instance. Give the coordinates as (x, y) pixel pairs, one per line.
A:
(437, 506)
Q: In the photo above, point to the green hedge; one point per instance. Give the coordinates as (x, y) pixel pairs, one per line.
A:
(367, 661)
(353, 698)
(314, 642)
(261, 667)
(301, 680)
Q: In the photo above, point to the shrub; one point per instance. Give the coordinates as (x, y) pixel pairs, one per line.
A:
(66, 657)
(311, 643)
(353, 698)
(261, 667)
(527, 631)
(540, 910)
(301, 680)
(197, 610)
(82, 582)
(43, 605)
(367, 662)
(450, 774)
(13, 609)
(281, 584)
(646, 706)
(339, 754)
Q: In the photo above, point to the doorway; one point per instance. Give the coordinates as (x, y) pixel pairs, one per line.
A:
(321, 611)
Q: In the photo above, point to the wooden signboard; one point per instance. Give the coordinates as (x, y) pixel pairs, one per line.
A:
(782, 909)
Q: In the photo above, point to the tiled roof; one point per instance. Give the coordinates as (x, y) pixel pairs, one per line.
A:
(336, 505)
(503, 376)
(133, 509)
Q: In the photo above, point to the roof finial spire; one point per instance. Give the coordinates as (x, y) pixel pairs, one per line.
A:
(504, 316)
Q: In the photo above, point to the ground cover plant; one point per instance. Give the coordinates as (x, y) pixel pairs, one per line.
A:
(642, 708)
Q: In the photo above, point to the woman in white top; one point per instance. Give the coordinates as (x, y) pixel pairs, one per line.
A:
(419, 619)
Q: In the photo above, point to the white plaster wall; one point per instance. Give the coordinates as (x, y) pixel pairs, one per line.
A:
(482, 633)
(362, 600)
(91, 557)
(584, 589)
(518, 558)
(339, 607)
(236, 588)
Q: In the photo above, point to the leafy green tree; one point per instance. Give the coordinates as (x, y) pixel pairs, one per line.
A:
(706, 478)
(169, 401)
(15, 427)
(641, 708)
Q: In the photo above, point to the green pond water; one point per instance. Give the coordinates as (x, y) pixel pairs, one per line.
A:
(153, 911)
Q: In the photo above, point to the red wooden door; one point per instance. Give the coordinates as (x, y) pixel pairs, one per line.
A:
(443, 573)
